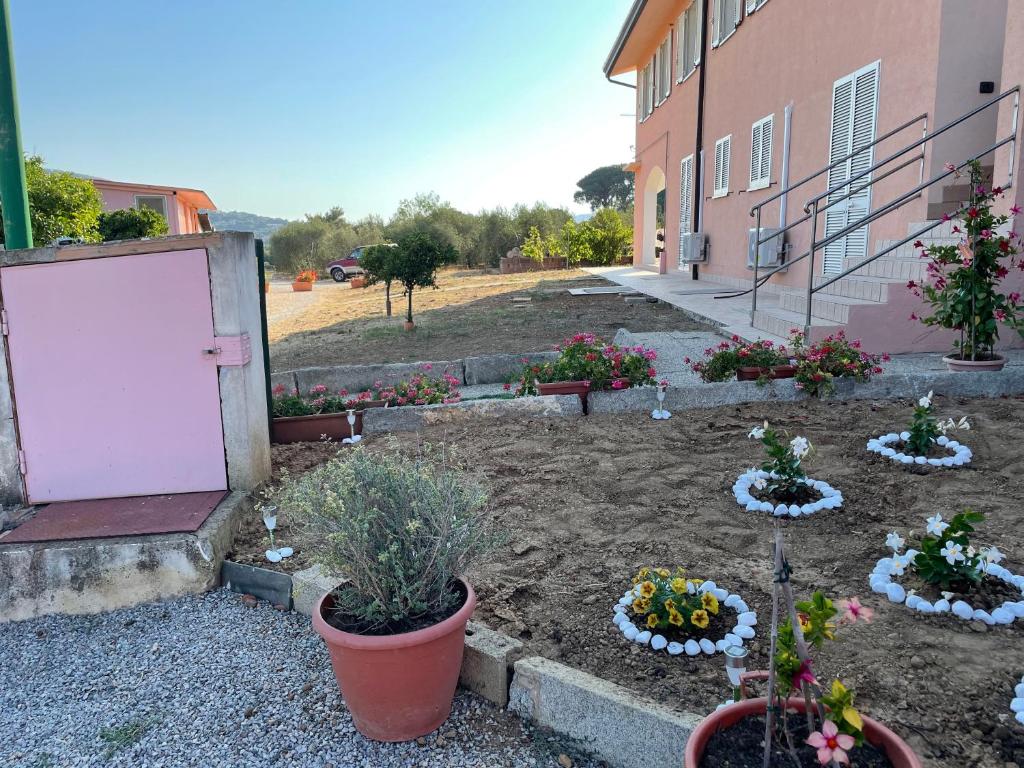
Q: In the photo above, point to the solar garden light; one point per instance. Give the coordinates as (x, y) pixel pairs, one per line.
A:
(735, 666)
(274, 554)
(660, 412)
(353, 437)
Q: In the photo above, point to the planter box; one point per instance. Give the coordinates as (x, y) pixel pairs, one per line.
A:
(310, 429)
(297, 286)
(580, 388)
(752, 373)
(273, 586)
(358, 282)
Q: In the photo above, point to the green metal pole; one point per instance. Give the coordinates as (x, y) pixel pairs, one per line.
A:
(13, 189)
(261, 267)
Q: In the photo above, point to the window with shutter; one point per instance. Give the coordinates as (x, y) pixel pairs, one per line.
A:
(725, 19)
(663, 60)
(753, 5)
(761, 152)
(685, 207)
(722, 152)
(688, 40)
(854, 109)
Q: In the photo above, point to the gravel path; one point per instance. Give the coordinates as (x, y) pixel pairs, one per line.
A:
(206, 681)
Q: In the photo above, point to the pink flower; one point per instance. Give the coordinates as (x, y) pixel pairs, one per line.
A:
(853, 610)
(1015, 297)
(949, 167)
(651, 372)
(804, 673)
(279, 389)
(618, 384)
(985, 234)
(319, 389)
(1015, 210)
(428, 367)
(831, 744)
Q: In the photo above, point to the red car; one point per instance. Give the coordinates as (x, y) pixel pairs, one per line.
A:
(342, 269)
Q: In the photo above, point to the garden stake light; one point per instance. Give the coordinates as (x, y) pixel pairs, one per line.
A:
(353, 437)
(735, 666)
(660, 413)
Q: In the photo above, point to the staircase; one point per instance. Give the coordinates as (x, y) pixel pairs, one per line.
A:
(863, 303)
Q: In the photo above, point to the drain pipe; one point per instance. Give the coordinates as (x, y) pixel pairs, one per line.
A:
(786, 134)
(698, 151)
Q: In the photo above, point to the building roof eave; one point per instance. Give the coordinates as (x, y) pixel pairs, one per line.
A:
(620, 41)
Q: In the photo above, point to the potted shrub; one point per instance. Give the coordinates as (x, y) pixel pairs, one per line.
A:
(926, 441)
(781, 487)
(585, 362)
(758, 361)
(946, 574)
(819, 364)
(304, 280)
(800, 721)
(962, 284)
(402, 531)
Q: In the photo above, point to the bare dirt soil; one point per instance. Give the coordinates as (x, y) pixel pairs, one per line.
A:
(471, 313)
(587, 501)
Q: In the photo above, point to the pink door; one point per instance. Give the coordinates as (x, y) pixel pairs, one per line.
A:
(114, 393)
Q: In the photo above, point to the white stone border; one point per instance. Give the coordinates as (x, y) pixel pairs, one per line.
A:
(830, 497)
(1017, 702)
(961, 453)
(746, 620)
(881, 582)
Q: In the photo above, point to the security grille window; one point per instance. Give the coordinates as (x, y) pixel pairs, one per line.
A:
(761, 152)
(722, 151)
(725, 19)
(688, 40)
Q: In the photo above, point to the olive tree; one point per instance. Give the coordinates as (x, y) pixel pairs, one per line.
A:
(378, 263)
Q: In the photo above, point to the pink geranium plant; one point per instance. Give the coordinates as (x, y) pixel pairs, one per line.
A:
(585, 357)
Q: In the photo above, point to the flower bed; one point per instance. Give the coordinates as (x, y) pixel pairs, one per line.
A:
(586, 358)
(950, 567)
(926, 434)
(834, 357)
(676, 614)
(758, 361)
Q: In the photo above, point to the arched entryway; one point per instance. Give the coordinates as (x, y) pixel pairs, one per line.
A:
(653, 240)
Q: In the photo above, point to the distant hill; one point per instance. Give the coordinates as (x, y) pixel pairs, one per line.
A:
(579, 218)
(240, 221)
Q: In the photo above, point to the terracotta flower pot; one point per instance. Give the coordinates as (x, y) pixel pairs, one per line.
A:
(398, 687)
(301, 286)
(898, 751)
(357, 282)
(955, 363)
(580, 388)
(753, 373)
(409, 325)
(311, 429)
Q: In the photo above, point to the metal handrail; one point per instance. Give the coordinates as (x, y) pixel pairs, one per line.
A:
(755, 210)
(918, 143)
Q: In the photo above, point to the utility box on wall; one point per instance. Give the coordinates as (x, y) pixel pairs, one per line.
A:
(129, 369)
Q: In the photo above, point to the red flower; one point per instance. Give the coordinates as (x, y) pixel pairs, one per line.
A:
(971, 213)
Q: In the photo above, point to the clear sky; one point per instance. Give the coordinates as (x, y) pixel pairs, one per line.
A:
(283, 108)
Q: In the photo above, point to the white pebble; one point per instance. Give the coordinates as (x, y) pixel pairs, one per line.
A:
(895, 592)
(674, 649)
(707, 646)
(658, 642)
(643, 637)
(692, 647)
(747, 617)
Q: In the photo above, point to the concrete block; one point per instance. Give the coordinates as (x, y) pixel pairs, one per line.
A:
(359, 377)
(283, 378)
(599, 717)
(487, 662)
(98, 575)
(412, 418)
(309, 585)
(497, 369)
(12, 490)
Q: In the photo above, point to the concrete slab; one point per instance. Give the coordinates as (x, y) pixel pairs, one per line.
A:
(487, 662)
(599, 717)
(380, 420)
(97, 575)
(490, 369)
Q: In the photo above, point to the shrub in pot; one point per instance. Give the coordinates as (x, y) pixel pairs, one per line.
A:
(820, 363)
(962, 283)
(304, 280)
(757, 361)
(402, 531)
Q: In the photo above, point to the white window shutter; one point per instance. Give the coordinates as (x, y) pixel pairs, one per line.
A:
(727, 157)
(751, 6)
(766, 148)
(737, 11)
(755, 153)
(716, 22)
(685, 204)
(698, 28)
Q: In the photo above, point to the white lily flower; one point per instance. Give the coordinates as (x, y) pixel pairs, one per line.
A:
(947, 595)
(897, 567)
(799, 447)
(926, 402)
(964, 423)
(992, 555)
(911, 592)
(894, 541)
(760, 483)
(953, 552)
(935, 525)
(758, 432)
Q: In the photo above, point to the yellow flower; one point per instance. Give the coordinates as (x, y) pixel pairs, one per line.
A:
(642, 573)
(670, 603)
(699, 619)
(641, 605)
(652, 620)
(663, 572)
(710, 603)
(680, 571)
(695, 582)
(805, 622)
(679, 586)
(675, 618)
(647, 589)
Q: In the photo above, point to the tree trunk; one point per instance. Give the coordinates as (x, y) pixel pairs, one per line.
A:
(408, 292)
(387, 297)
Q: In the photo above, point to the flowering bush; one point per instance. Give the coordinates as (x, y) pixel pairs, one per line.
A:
(925, 429)
(786, 477)
(962, 284)
(721, 362)
(420, 389)
(306, 276)
(584, 357)
(946, 558)
(668, 601)
(820, 363)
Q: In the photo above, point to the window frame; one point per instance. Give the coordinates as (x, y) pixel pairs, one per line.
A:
(717, 10)
(762, 182)
(689, 22)
(161, 198)
(727, 163)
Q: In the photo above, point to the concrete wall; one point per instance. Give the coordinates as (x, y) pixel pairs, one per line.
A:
(1013, 74)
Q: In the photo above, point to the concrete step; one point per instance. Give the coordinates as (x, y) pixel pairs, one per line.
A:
(858, 287)
(835, 309)
(942, 228)
(896, 270)
(780, 322)
(945, 208)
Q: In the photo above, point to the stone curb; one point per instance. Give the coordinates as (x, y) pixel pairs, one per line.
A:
(378, 420)
(599, 717)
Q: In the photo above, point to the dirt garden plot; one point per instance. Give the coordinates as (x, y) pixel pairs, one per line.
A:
(586, 501)
(471, 313)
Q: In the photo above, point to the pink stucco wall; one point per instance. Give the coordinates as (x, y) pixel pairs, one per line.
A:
(181, 217)
(791, 52)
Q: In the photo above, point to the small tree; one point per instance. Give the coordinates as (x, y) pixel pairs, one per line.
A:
(60, 204)
(131, 224)
(575, 243)
(416, 259)
(378, 263)
(533, 246)
(610, 237)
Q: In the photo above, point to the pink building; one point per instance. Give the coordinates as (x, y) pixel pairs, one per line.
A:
(183, 208)
(738, 100)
